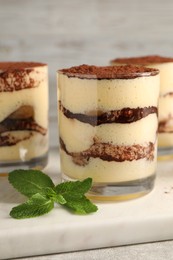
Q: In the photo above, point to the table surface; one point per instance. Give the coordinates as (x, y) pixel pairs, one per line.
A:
(149, 251)
(155, 206)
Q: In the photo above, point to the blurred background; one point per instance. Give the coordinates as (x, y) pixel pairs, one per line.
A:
(64, 33)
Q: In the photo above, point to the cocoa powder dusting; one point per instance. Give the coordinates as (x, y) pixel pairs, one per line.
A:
(143, 60)
(108, 72)
(14, 66)
(16, 76)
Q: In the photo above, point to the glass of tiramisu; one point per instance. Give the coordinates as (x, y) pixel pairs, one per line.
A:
(23, 115)
(108, 122)
(165, 129)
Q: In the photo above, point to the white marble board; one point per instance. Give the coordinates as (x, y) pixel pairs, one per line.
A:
(146, 219)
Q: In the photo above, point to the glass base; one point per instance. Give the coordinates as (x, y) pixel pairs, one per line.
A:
(165, 153)
(36, 163)
(119, 191)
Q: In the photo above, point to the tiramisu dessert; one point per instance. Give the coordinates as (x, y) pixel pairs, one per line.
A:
(108, 124)
(23, 115)
(165, 66)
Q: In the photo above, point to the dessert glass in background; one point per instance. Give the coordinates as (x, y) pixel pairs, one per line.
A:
(108, 128)
(165, 129)
(23, 115)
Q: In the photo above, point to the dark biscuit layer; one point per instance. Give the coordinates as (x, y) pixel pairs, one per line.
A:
(20, 120)
(9, 140)
(166, 126)
(167, 94)
(109, 152)
(123, 116)
(28, 124)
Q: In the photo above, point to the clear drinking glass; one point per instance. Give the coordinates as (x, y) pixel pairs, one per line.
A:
(108, 122)
(23, 115)
(165, 129)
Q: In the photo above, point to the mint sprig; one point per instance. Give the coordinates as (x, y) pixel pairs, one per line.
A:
(36, 206)
(75, 188)
(43, 194)
(30, 182)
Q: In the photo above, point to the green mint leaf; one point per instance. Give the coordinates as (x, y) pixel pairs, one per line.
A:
(58, 198)
(49, 192)
(81, 205)
(75, 188)
(73, 194)
(30, 182)
(36, 206)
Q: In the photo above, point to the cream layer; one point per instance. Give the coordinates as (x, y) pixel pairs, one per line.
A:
(87, 95)
(108, 172)
(166, 75)
(36, 97)
(79, 136)
(34, 146)
(165, 139)
(165, 107)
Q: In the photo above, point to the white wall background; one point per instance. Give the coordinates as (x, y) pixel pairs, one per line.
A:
(64, 33)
